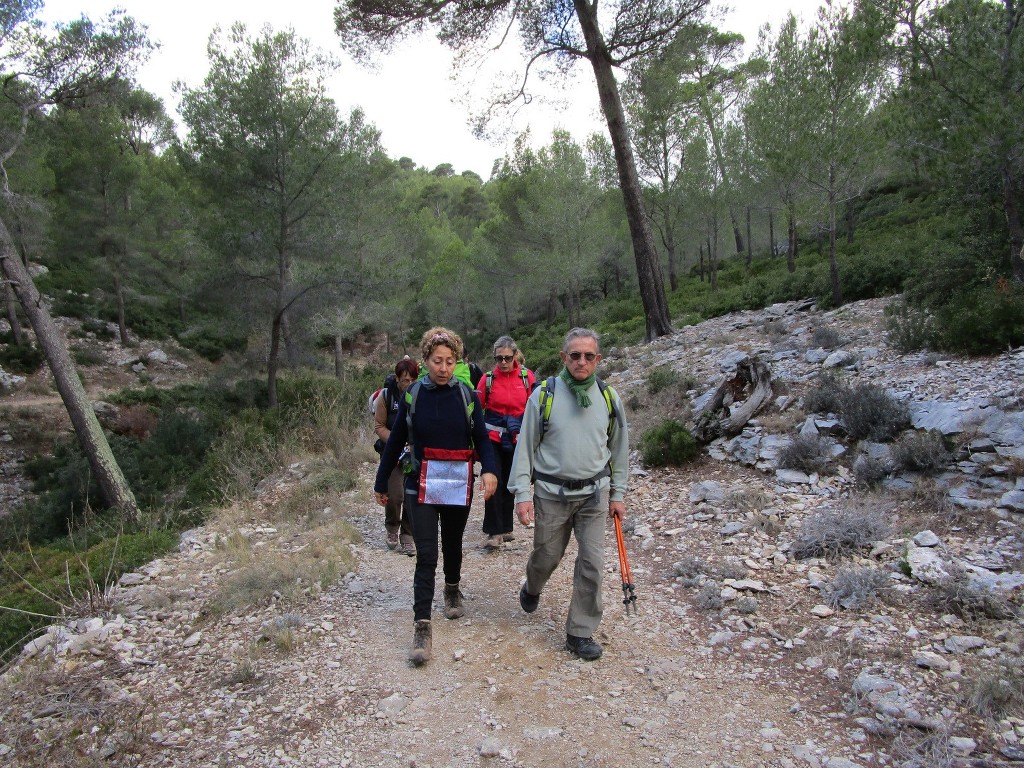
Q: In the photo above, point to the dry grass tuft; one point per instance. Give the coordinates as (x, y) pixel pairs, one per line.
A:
(287, 578)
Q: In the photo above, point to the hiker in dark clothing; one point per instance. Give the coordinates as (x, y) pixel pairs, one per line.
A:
(442, 421)
(397, 520)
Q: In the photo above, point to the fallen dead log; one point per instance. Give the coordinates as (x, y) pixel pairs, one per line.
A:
(735, 401)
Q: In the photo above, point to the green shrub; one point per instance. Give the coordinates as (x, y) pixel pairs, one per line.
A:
(86, 356)
(21, 358)
(908, 328)
(661, 378)
(986, 320)
(98, 328)
(74, 304)
(211, 345)
(669, 444)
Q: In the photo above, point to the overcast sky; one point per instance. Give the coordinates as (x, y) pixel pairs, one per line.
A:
(411, 97)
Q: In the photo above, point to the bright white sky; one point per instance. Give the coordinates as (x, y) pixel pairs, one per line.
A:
(411, 97)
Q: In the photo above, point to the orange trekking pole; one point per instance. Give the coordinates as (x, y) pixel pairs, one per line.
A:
(628, 596)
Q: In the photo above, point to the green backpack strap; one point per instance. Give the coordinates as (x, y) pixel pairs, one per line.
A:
(547, 395)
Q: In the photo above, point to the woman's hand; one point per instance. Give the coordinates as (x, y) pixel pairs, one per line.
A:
(382, 498)
(488, 484)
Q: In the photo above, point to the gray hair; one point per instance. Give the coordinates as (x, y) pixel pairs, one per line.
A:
(580, 333)
(505, 342)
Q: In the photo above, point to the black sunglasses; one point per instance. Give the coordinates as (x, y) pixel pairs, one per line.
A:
(504, 358)
(589, 355)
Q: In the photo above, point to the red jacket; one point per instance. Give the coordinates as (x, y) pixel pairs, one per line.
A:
(507, 398)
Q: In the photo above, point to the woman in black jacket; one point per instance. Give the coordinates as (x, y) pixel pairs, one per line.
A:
(441, 419)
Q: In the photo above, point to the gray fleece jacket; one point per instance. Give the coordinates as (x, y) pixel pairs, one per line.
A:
(575, 447)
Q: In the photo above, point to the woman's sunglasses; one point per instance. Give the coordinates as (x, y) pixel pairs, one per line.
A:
(504, 358)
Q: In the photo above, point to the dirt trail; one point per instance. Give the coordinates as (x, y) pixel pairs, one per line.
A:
(500, 689)
(501, 677)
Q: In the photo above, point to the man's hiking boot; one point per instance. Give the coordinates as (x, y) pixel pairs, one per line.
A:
(527, 601)
(453, 602)
(585, 647)
(392, 539)
(493, 542)
(421, 643)
(508, 537)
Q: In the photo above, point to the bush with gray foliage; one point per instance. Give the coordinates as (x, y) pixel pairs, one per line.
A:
(807, 453)
(923, 452)
(833, 533)
(855, 587)
(866, 411)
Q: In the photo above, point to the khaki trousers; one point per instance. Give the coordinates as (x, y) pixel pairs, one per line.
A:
(555, 520)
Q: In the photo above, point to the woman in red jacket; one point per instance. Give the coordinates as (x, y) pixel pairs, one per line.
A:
(503, 393)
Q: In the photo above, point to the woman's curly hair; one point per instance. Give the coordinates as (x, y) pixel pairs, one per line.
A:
(440, 336)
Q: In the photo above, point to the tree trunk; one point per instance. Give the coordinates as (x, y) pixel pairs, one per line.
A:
(669, 241)
(648, 267)
(275, 350)
(122, 324)
(338, 351)
(791, 232)
(12, 314)
(552, 306)
(833, 263)
(1013, 224)
(750, 250)
(771, 233)
(702, 262)
(111, 480)
(713, 253)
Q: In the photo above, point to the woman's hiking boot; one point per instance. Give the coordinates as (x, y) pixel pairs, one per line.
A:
(453, 602)
(421, 643)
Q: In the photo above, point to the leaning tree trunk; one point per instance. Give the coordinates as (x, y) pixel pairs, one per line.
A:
(12, 314)
(111, 480)
(648, 266)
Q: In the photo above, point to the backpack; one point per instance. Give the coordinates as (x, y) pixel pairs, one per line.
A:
(388, 392)
(524, 374)
(547, 395)
(411, 395)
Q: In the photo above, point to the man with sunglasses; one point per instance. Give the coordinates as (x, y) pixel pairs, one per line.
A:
(577, 457)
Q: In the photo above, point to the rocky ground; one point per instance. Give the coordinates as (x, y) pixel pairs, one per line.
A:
(738, 654)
